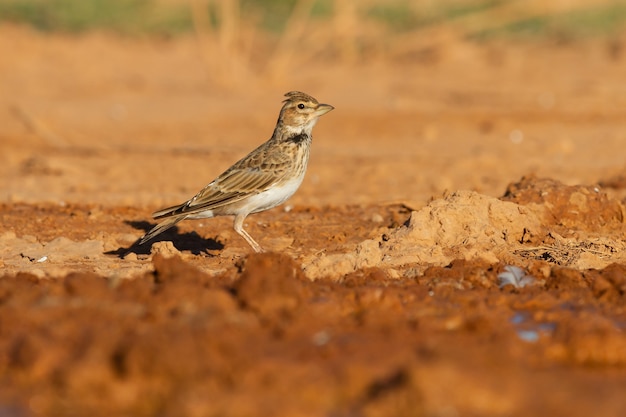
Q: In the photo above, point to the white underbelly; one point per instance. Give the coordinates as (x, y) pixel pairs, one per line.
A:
(274, 196)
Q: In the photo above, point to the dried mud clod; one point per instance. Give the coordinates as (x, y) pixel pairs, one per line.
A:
(272, 285)
(581, 207)
(609, 284)
(536, 220)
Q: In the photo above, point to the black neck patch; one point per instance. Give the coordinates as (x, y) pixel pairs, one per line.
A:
(298, 139)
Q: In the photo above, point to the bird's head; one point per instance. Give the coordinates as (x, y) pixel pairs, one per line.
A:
(300, 113)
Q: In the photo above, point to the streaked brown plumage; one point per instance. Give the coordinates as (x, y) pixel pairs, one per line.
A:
(267, 177)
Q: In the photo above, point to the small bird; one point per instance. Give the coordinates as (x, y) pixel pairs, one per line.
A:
(264, 179)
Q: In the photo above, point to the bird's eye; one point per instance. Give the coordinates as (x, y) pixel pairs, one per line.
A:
(300, 106)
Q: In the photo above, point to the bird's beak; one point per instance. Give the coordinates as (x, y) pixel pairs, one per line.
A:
(323, 109)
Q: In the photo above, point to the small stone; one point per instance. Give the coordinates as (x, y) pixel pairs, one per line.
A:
(164, 248)
(130, 256)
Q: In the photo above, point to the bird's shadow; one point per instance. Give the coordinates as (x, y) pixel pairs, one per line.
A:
(182, 241)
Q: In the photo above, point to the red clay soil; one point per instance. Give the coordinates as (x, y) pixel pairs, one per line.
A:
(430, 186)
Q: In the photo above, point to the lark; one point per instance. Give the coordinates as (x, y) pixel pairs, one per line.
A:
(264, 179)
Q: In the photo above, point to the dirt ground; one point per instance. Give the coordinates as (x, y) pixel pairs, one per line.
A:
(383, 293)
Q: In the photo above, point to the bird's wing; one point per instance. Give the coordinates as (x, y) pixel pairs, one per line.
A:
(240, 181)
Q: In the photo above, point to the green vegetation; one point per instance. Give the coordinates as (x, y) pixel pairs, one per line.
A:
(125, 16)
(398, 16)
(599, 20)
(273, 14)
(404, 15)
(171, 18)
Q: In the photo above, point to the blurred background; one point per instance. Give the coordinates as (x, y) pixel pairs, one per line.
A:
(143, 101)
(262, 37)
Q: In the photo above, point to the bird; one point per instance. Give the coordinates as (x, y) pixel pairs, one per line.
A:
(265, 178)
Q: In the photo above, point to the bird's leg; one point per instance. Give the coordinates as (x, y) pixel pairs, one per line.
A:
(238, 225)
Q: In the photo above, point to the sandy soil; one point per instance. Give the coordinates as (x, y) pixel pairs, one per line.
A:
(440, 169)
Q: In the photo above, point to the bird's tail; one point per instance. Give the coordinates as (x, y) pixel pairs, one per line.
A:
(168, 212)
(160, 228)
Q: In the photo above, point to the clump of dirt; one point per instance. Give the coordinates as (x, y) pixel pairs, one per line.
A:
(579, 207)
(537, 219)
(271, 286)
(464, 225)
(609, 284)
